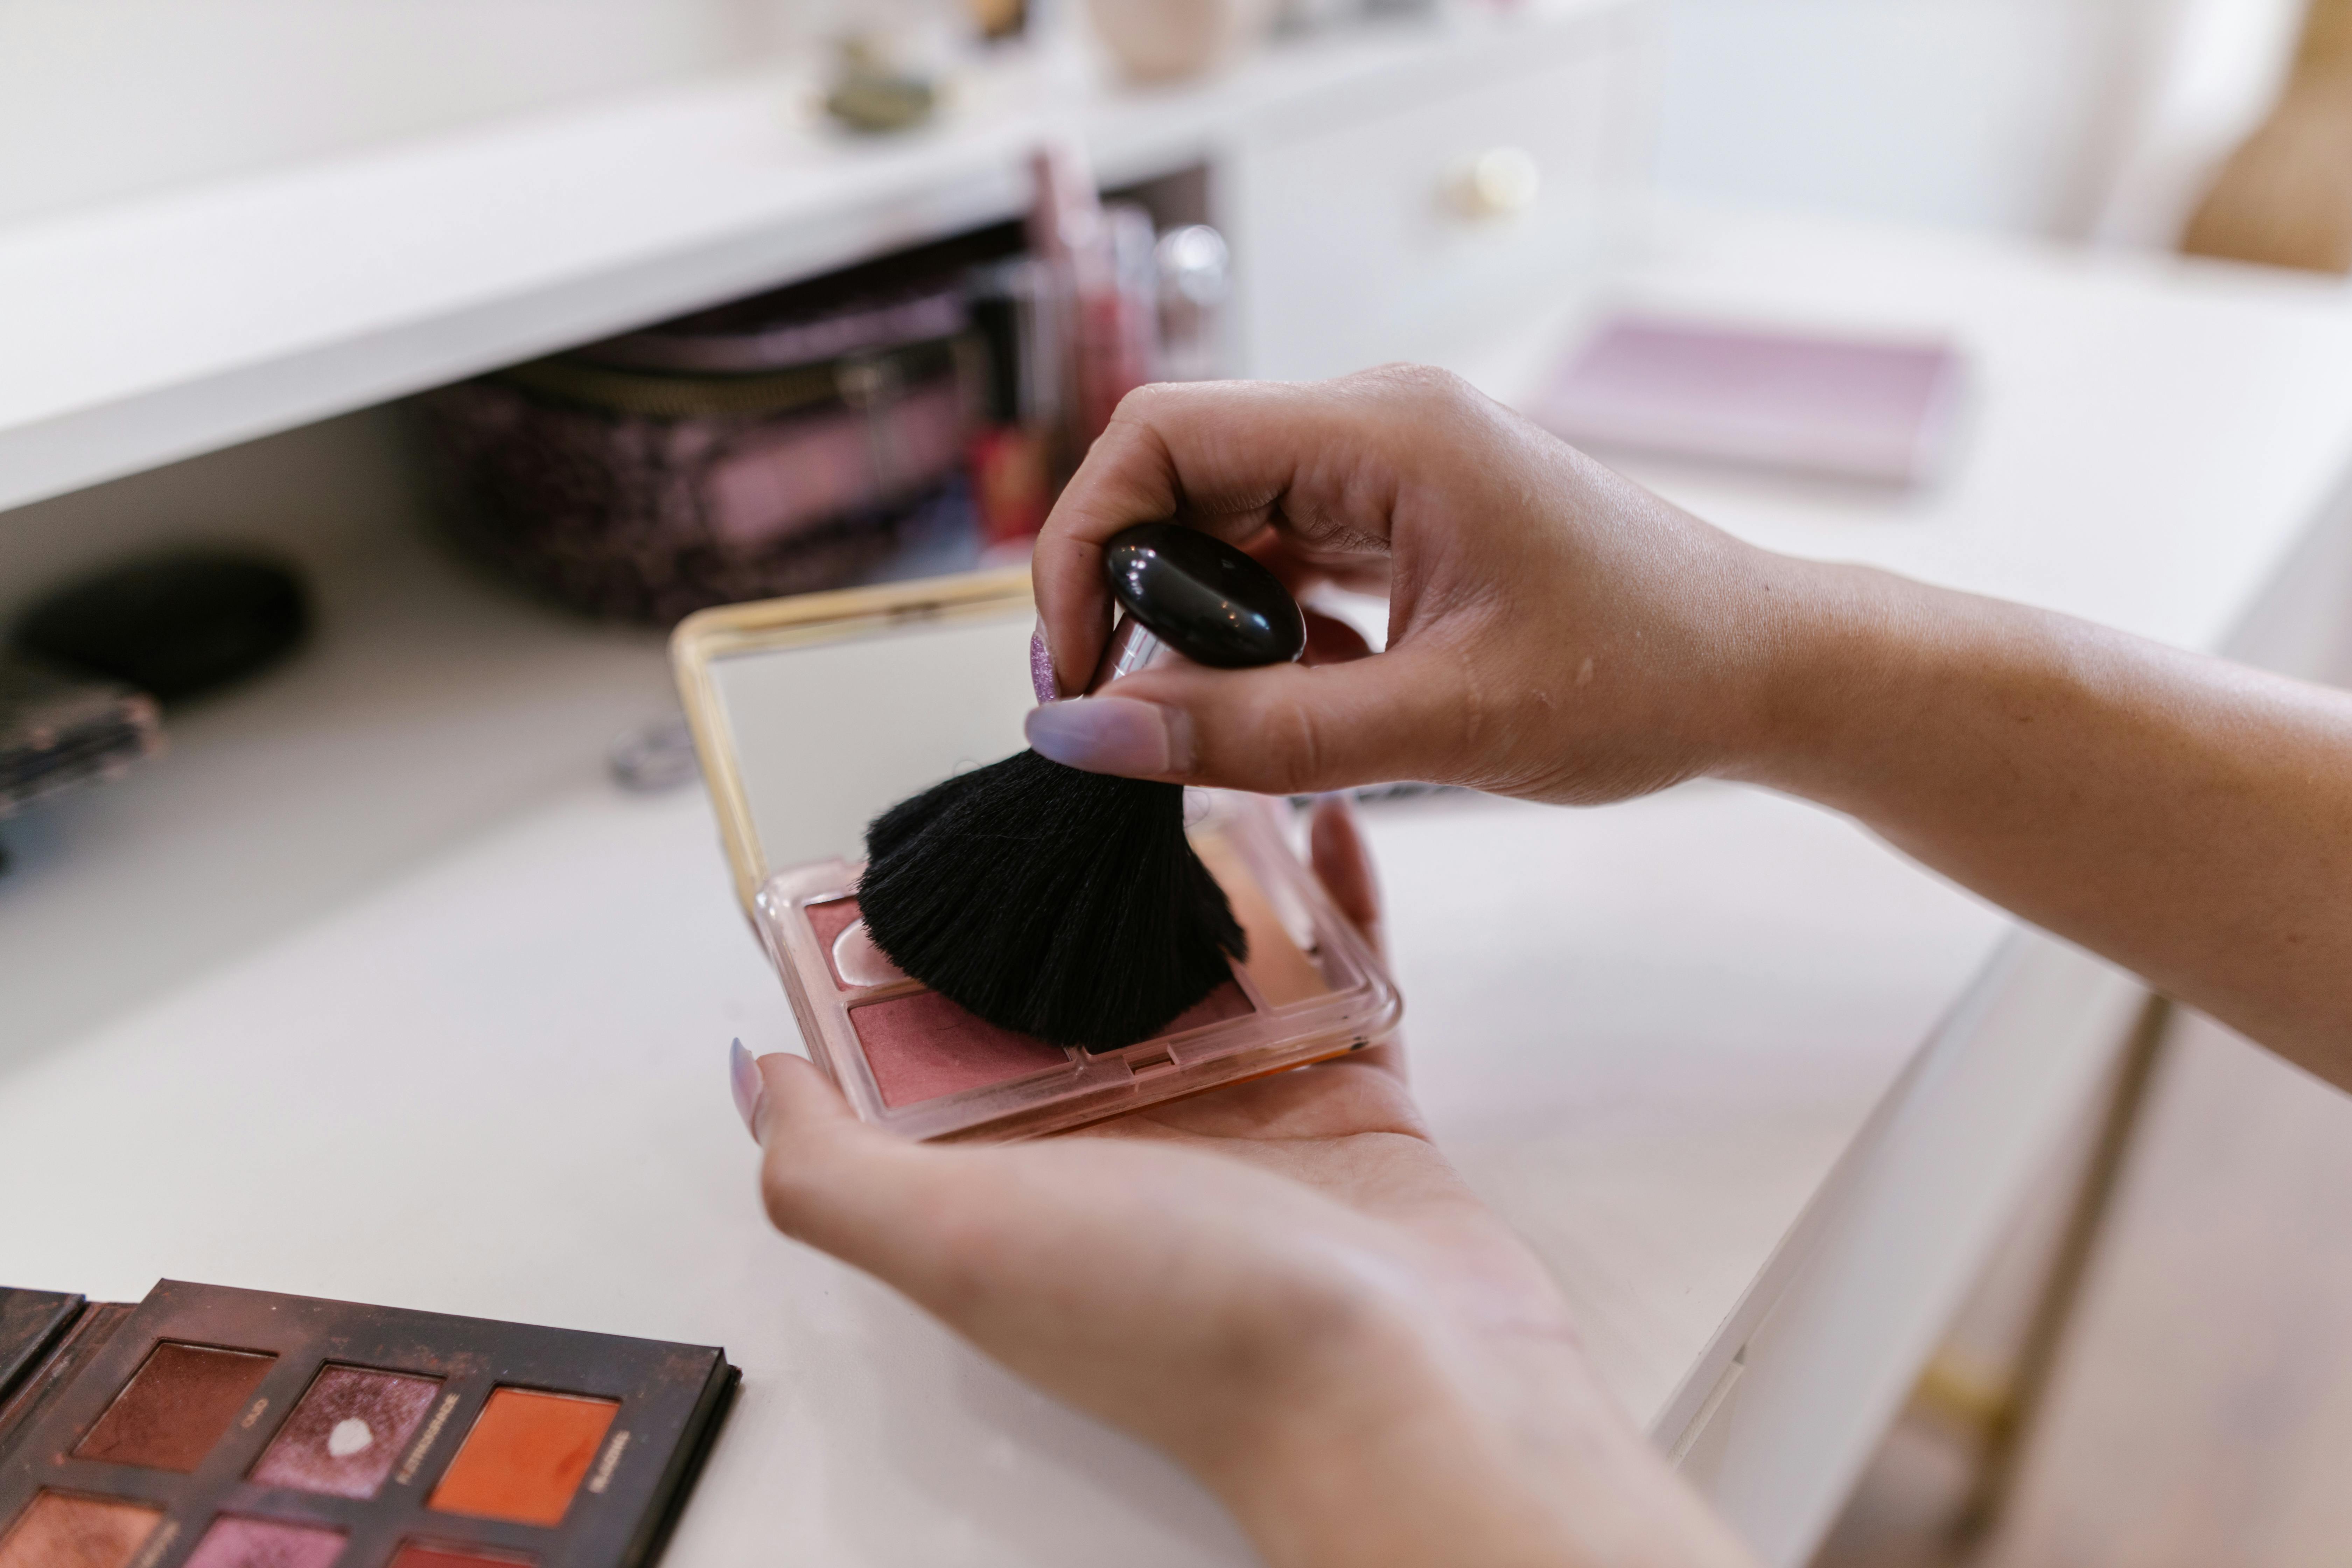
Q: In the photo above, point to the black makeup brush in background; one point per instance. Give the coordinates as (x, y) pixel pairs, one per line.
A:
(1068, 905)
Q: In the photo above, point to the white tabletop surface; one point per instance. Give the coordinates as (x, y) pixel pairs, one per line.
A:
(496, 1087)
(499, 1090)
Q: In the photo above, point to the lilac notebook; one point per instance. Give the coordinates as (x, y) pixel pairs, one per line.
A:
(1854, 407)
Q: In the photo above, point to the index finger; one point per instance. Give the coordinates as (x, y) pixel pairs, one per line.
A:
(1227, 457)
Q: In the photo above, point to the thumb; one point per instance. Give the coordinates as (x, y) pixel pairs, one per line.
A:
(863, 1195)
(1284, 729)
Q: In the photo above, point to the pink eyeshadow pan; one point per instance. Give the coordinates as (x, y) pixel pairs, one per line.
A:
(233, 1542)
(924, 1046)
(346, 1432)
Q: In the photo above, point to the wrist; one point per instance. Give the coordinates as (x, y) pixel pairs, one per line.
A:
(1833, 643)
(1410, 1449)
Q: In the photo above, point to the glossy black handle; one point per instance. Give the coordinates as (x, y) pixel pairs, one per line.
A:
(1202, 597)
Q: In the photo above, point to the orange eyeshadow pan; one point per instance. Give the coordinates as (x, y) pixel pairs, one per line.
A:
(525, 1457)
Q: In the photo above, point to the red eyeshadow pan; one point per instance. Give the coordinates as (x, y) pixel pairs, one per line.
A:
(417, 1554)
(525, 1457)
(924, 1046)
(233, 1542)
(175, 1407)
(346, 1432)
(62, 1530)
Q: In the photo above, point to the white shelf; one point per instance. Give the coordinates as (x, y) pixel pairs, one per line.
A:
(142, 332)
(434, 702)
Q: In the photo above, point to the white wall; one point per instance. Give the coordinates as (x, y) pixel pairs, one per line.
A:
(2068, 117)
(2074, 118)
(102, 98)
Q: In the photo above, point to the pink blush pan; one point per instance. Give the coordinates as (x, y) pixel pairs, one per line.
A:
(922, 1046)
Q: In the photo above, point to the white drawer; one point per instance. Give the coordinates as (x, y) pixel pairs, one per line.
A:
(1362, 242)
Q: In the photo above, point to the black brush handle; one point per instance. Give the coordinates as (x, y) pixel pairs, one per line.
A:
(1201, 597)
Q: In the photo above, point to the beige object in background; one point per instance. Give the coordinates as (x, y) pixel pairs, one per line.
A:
(1167, 40)
(2284, 197)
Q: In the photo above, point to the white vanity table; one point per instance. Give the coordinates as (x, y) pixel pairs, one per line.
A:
(1760, 1092)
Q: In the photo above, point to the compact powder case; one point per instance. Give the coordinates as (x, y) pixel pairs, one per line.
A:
(208, 1428)
(812, 715)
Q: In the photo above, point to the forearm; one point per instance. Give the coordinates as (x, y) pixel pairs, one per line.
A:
(2186, 818)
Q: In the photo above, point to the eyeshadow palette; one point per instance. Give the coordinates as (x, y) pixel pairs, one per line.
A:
(208, 1428)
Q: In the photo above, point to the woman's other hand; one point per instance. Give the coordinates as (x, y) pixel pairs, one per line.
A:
(1283, 1285)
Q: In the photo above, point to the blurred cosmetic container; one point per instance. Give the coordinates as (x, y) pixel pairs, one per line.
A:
(1167, 40)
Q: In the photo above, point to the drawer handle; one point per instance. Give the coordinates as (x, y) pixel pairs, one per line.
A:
(1501, 182)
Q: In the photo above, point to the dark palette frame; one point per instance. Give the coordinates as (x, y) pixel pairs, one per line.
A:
(31, 1324)
(672, 1400)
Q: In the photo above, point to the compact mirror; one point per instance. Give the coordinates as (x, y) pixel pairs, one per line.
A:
(814, 714)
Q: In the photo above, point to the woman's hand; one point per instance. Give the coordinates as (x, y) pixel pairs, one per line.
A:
(1555, 632)
(1283, 1285)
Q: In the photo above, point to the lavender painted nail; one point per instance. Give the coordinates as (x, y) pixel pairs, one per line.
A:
(743, 1079)
(1113, 735)
(1040, 666)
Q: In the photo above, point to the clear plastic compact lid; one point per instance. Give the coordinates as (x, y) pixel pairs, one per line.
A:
(812, 714)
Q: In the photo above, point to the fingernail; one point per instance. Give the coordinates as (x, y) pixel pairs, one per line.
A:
(1113, 735)
(750, 1090)
(1040, 666)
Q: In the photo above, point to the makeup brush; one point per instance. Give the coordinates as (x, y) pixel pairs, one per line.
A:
(1066, 905)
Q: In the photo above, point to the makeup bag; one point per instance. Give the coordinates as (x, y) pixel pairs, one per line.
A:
(772, 445)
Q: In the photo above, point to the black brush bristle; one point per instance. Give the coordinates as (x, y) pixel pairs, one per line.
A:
(1065, 905)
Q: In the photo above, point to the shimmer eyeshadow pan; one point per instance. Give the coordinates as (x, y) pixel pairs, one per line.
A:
(215, 1428)
(345, 1434)
(176, 1408)
(59, 1529)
